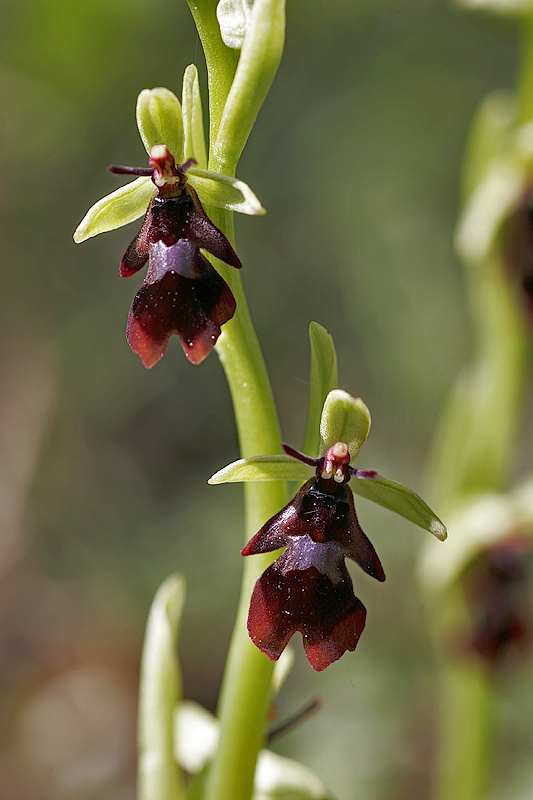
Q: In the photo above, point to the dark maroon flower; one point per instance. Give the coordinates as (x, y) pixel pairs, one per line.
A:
(182, 293)
(308, 588)
(496, 587)
(517, 249)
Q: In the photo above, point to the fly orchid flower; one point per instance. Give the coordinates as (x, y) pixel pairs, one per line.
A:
(308, 588)
(182, 293)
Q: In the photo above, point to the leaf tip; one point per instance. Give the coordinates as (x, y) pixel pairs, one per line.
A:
(438, 529)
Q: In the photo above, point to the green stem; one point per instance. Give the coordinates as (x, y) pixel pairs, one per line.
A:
(246, 686)
(245, 693)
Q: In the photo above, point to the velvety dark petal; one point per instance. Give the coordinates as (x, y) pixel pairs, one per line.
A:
(359, 547)
(208, 236)
(275, 532)
(329, 616)
(136, 255)
(190, 300)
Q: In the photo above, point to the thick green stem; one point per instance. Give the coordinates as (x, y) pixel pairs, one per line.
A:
(245, 694)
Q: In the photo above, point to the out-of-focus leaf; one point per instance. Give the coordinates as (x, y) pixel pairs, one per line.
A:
(159, 693)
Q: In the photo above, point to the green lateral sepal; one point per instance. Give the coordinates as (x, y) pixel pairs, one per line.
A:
(400, 499)
(263, 468)
(119, 208)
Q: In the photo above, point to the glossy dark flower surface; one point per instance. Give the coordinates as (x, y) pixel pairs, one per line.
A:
(182, 293)
(308, 588)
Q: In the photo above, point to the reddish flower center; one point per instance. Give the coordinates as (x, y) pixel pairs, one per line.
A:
(336, 463)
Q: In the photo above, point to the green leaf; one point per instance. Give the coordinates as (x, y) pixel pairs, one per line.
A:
(193, 121)
(322, 380)
(344, 419)
(159, 693)
(263, 468)
(399, 498)
(160, 120)
(116, 209)
(223, 191)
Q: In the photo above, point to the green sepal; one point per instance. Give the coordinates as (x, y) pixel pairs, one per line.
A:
(193, 121)
(116, 209)
(400, 499)
(223, 191)
(263, 468)
(160, 121)
(159, 693)
(344, 419)
(323, 379)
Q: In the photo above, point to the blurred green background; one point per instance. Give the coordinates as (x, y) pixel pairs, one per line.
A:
(103, 466)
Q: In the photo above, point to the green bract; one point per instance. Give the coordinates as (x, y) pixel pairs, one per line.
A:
(160, 120)
(323, 379)
(258, 62)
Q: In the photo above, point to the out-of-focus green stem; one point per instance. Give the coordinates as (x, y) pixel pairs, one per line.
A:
(525, 73)
(473, 454)
(464, 759)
